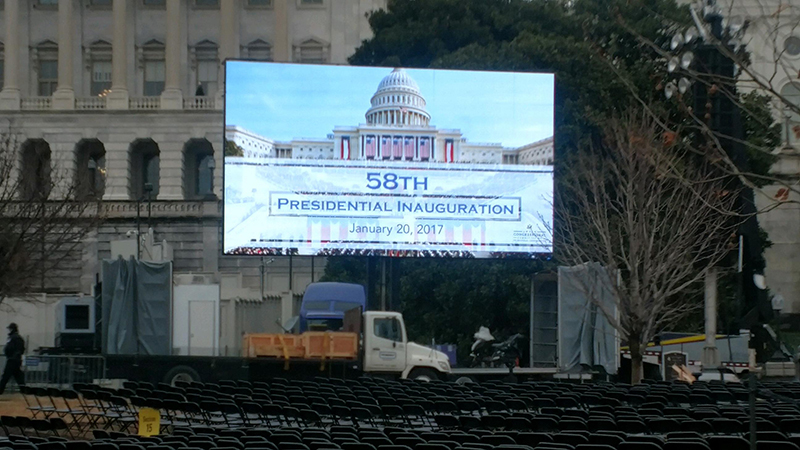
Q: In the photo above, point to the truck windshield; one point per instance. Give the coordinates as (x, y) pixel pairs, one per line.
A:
(344, 306)
(317, 306)
(325, 324)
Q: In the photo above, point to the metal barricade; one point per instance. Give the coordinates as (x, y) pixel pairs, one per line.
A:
(63, 370)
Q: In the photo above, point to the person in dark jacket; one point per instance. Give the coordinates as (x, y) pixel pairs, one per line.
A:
(14, 349)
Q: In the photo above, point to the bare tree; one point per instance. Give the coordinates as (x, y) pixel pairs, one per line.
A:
(651, 212)
(44, 218)
(761, 40)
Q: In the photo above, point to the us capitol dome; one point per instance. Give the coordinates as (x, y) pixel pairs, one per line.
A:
(397, 128)
(398, 101)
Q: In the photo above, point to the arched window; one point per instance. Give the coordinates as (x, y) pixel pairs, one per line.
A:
(90, 169)
(35, 170)
(145, 169)
(198, 169)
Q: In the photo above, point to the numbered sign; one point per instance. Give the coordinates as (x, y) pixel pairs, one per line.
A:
(149, 422)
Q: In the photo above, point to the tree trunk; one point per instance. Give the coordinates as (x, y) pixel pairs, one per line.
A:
(637, 364)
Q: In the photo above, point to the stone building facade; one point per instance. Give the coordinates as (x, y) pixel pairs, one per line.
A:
(125, 96)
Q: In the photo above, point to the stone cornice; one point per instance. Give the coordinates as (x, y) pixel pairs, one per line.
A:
(171, 209)
(113, 209)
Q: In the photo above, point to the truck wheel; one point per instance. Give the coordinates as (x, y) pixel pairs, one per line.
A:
(422, 374)
(181, 373)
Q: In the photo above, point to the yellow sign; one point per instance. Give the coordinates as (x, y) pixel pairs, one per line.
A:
(149, 422)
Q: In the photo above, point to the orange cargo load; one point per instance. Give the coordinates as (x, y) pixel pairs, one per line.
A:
(309, 345)
(274, 345)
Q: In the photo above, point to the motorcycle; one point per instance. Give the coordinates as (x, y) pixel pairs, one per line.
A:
(485, 352)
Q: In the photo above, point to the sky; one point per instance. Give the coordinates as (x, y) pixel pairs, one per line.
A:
(284, 101)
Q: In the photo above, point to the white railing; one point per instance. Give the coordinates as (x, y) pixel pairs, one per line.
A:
(146, 103)
(36, 103)
(198, 103)
(90, 103)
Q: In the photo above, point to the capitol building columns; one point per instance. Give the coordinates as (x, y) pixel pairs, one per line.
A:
(118, 97)
(172, 97)
(229, 42)
(10, 95)
(64, 96)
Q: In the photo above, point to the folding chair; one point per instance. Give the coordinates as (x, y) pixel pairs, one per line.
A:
(727, 443)
(686, 444)
(58, 424)
(40, 394)
(75, 410)
(30, 401)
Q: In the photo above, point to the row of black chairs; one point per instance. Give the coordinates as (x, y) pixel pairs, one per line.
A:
(397, 438)
(544, 407)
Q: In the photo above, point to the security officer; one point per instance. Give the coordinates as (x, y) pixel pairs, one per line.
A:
(14, 349)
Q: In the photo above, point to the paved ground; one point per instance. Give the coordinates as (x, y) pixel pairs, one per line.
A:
(13, 405)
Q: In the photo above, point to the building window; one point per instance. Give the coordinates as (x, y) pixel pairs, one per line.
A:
(47, 3)
(259, 50)
(151, 59)
(35, 169)
(2, 67)
(44, 58)
(101, 77)
(207, 76)
(206, 67)
(150, 174)
(199, 166)
(145, 173)
(791, 92)
(154, 76)
(206, 3)
(98, 63)
(311, 2)
(90, 172)
(101, 3)
(311, 51)
(156, 3)
(792, 45)
(48, 77)
(259, 3)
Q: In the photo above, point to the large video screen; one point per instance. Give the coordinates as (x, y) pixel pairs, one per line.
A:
(340, 160)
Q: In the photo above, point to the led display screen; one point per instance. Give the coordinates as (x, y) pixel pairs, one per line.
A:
(341, 160)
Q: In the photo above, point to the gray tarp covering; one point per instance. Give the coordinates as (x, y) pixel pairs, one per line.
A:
(137, 299)
(586, 337)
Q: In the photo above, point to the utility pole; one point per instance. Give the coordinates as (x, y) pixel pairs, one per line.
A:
(710, 351)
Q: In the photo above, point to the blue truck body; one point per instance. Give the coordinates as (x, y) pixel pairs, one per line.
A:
(324, 305)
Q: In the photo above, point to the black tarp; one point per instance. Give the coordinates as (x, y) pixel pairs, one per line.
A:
(137, 298)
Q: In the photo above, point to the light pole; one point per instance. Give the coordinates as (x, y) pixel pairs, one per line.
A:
(703, 67)
(711, 73)
(147, 190)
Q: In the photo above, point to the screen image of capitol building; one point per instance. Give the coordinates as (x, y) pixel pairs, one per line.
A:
(397, 128)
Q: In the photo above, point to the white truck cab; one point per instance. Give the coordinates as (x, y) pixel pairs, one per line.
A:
(387, 349)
